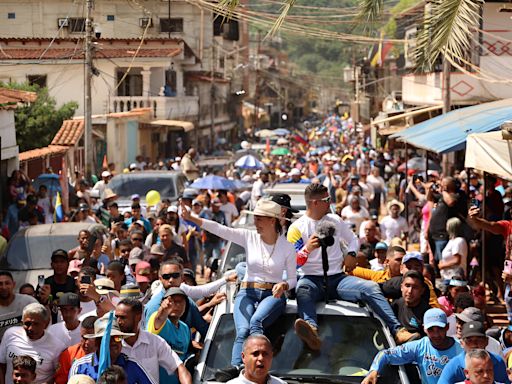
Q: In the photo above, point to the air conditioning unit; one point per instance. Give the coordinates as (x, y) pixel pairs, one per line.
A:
(145, 21)
(63, 22)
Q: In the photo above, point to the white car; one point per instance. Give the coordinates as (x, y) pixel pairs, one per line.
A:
(351, 336)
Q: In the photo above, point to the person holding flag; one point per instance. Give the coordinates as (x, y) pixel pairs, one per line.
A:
(109, 336)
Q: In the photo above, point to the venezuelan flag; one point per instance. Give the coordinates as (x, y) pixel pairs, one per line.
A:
(59, 210)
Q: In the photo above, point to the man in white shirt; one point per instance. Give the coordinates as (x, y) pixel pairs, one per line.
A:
(257, 357)
(229, 209)
(258, 186)
(31, 339)
(304, 234)
(151, 351)
(11, 304)
(101, 185)
(393, 225)
(68, 330)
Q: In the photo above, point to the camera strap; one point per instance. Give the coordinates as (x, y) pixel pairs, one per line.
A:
(325, 267)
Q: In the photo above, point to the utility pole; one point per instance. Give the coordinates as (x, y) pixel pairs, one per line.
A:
(88, 150)
(447, 159)
(212, 98)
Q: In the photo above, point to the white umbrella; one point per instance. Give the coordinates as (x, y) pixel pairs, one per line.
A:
(265, 133)
(282, 141)
(249, 162)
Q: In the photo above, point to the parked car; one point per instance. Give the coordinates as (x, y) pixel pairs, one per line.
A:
(169, 184)
(29, 251)
(351, 336)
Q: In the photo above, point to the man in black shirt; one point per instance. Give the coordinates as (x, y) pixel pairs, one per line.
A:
(57, 284)
(27, 212)
(451, 203)
(411, 307)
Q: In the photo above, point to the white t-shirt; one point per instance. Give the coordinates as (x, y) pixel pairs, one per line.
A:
(257, 191)
(391, 228)
(45, 352)
(88, 309)
(68, 337)
(44, 203)
(11, 315)
(355, 218)
(303, 228)
(375, 265)
(230, 212)
(454, 247)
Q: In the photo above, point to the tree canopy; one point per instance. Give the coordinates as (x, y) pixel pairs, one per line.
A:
(38, 122)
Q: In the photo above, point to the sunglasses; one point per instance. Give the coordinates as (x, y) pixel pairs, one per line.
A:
(175, 275)
(325, 199)
(137, 239)
(116, 339)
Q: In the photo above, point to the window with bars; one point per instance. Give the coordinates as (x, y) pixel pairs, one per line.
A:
(171, 25)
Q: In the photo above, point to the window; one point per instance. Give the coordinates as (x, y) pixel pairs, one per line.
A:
(131, 85)
(39, 80)
(76, 24)
(111, 17)
(171, 25)
(11, 15)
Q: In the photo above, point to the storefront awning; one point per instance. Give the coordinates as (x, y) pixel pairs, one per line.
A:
(489, 152)
(448, 132)
(175, 125)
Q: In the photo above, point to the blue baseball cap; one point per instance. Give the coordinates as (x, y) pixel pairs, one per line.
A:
(381, 246)
(412, 256)
(434, 317)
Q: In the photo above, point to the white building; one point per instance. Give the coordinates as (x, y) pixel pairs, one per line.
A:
(177, 66)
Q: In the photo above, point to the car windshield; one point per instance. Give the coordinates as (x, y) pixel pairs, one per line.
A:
(125, 185)
(349, 344)
(236, 254)
(34, 251)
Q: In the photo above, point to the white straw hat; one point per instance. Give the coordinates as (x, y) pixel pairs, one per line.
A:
(266, 208)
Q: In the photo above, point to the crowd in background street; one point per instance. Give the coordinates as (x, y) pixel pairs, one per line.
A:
(406, 242)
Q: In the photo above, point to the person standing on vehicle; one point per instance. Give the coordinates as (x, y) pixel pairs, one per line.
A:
(270, 256)
(11, 304)
(257, 357)
(258, 186)
(188, 165)
(310, 288)
(430, 354)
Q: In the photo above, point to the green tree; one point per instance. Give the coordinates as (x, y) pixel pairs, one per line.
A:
(38, 122)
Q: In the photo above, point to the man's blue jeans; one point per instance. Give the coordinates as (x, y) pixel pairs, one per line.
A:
(310, 290)
(439, 244)
(255, 310)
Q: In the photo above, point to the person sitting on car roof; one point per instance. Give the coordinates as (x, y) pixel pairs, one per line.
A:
(261, 299)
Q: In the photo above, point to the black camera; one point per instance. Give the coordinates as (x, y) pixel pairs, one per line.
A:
(326, 241)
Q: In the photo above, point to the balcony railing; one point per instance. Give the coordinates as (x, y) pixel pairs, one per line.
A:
(172, 108)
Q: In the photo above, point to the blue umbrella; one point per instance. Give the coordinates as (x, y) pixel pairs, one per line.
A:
(51, 180)
(213, 182)
(249, 162)
(281, 131)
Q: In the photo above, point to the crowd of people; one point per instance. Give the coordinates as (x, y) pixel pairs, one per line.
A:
(402, 240)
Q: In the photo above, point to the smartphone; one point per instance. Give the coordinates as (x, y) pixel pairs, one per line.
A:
(507, 268)
(475, 203)
(40, 280)
(85, 279)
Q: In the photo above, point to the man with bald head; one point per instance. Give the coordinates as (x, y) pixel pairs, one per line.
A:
(479, 368)
(188, 165)
(257, 357)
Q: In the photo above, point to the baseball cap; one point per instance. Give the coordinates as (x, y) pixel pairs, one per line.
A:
(59, 254)
(75, 265)
(434, 317)
(473, 328)
(142, 272)
(381, 246)
(69, 298)
(135, 196)
(196, 202)
(173, 208)
(157, 249)
(174, 291)
(373, 214)
(216, 201)
(294, 172)
(470, 314)
(106, 174)
(136, 255)
(81, 379)
(412, 256)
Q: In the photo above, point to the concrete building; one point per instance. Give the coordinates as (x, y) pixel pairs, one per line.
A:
(172, 57)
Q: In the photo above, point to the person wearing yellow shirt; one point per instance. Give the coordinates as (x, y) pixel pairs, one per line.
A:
(398, 262)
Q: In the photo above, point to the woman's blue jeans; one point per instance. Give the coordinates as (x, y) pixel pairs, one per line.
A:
(255, 310)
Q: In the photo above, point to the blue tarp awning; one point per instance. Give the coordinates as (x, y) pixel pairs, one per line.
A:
(448, 132)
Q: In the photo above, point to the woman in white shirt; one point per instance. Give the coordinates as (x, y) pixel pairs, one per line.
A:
(455, 253)
(271, 271)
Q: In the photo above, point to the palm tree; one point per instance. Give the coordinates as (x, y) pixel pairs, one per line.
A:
(447, 28)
